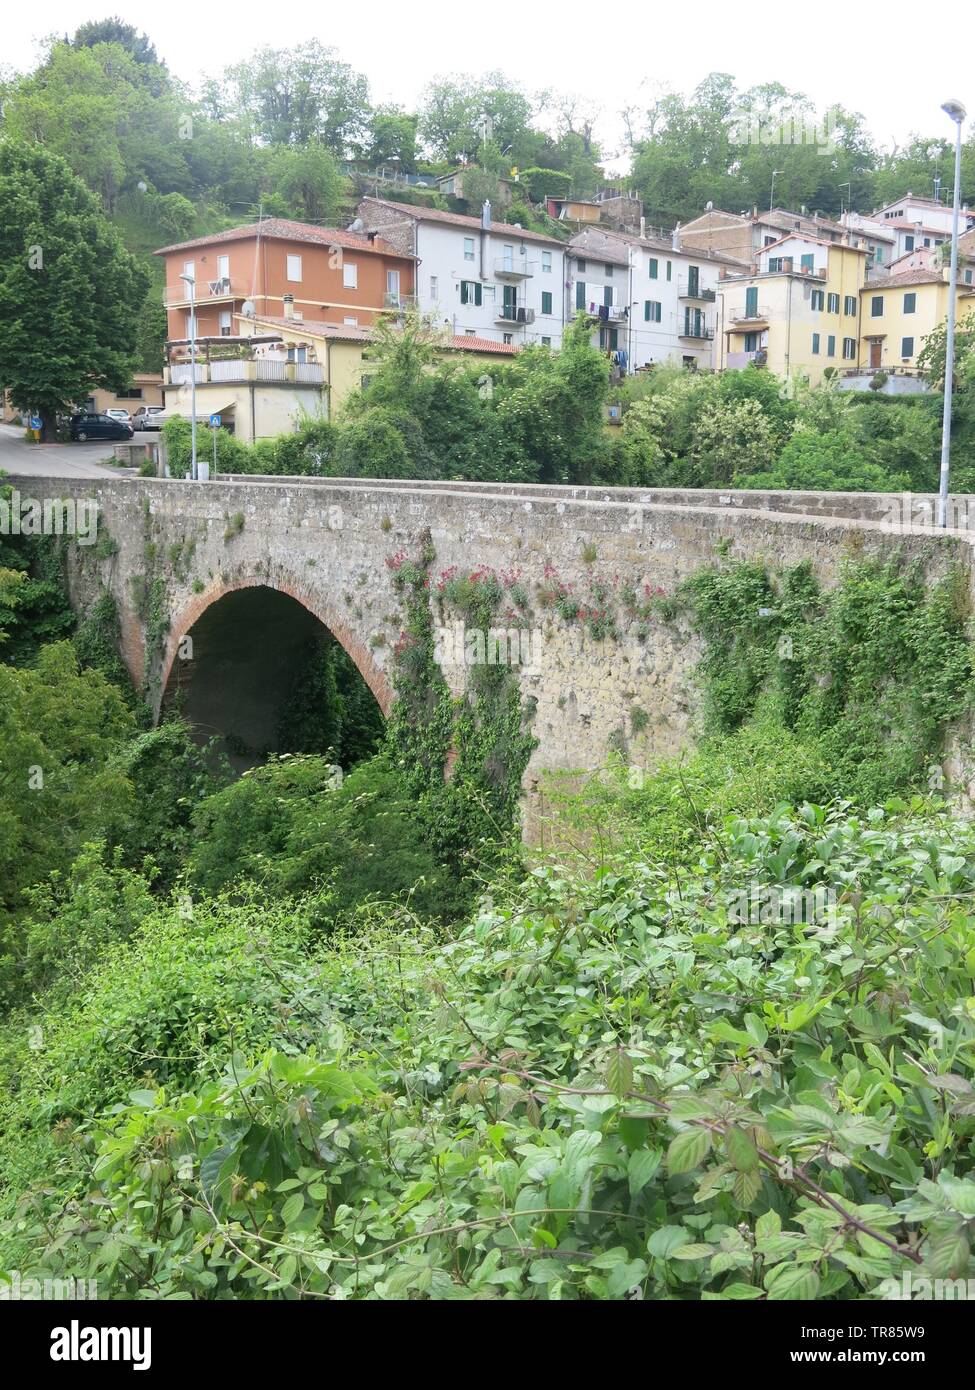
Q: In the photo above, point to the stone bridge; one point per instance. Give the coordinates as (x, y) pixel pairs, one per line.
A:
(247, 567)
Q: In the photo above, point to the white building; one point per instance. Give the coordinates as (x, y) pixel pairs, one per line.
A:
(918, 223)
(655, 301)
(478, 277)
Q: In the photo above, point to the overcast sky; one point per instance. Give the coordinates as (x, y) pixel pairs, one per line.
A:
(895, 62)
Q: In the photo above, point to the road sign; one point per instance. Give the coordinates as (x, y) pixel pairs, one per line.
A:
(36, 422)
(214, 422)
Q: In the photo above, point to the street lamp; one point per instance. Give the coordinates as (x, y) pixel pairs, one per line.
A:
(771, 196)
(956, 111)
(190, 282)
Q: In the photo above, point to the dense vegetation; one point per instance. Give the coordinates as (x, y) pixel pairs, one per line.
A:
(309, 1035)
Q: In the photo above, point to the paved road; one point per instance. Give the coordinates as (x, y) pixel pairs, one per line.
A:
(59, 460)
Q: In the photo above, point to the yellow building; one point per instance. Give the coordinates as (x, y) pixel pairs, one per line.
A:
(798, 313)
(898, 313)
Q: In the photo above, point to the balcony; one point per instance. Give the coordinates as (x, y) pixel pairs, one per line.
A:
(517, 268)
(691, 289)
(396, 302)
(514, 312)
(205, 291)
(749, 316)
(240, 369)
(700, 332)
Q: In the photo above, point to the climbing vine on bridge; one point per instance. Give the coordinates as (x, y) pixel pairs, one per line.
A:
(462, 758)
(869, 673)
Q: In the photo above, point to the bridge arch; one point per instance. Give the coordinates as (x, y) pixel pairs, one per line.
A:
(246, 634)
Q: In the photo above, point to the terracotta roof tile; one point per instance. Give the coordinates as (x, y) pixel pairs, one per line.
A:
(283, 229)
(456, 219)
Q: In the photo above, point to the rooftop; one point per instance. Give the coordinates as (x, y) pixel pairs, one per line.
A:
(457, 219)
(283, 229)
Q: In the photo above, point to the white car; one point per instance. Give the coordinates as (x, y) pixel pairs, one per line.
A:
(149, 417)
(119, 414)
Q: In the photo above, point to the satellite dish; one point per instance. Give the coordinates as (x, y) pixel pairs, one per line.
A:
(247, 309)
(358, 225)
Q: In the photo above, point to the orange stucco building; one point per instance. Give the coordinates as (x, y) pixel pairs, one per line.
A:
(282, 267)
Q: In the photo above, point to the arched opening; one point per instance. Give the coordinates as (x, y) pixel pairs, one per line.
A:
(259, 673)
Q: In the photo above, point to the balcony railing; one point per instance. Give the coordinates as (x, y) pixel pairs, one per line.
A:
(399, 301)
(247, 369)
(518, 268)
(516, 313)
(691, 289)
(700, 331)
(204, 292)
(756, 315)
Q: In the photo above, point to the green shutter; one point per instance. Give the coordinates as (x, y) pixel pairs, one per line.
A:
(580, 294)
(653, 267)
(751, 302)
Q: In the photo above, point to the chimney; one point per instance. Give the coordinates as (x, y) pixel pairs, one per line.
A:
(289, 306)
(643, 227)
(486, 215)
(675, 238)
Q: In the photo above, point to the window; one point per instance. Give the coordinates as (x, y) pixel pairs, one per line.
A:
(878, 255)
(907, 347)
(609, 338)
(392, 283)
(580, 264)
(808, 261)
(831, 346)
(770, 241)
(470, 292)
(775, 264)
(850, 305)
(580, 294)
(223, 267)
(350, 275)
(546, 262)
(833, 303)
(189, 268)
(652, 268)
(351, 321)
(507, 337)
(508, 257)
(908, 243)
(849, 348)
(609, 271)
(877, 306)
(134, 393)
(751, 302)
(652, 310)
(433, 288)
(817, 299)
(468, 248)
(968, 277)
(815, 346)
(670, 270)
(910, 303)
(225, 323)
(546, 301)
(546, 342)
(927, 241)
(751, 342)
(294, 268)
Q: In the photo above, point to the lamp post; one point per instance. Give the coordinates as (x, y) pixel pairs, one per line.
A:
(190, 282)
(956, 111)
(771, 196)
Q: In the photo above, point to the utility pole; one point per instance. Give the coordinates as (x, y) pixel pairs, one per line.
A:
(190, 281)
(956, 111)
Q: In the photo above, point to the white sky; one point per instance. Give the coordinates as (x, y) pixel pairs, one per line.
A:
(895, 62)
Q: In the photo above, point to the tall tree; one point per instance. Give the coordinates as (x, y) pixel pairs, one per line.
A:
(70, 293)
(300, 95)
(139, 46)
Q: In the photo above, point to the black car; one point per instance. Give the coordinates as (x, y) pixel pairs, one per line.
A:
(89, 425)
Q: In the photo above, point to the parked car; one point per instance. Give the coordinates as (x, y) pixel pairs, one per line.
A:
(117, 413)
(149, 417)
(90, 425)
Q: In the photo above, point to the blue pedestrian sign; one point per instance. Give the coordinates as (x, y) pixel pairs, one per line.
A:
(36, 422)
(214, 422)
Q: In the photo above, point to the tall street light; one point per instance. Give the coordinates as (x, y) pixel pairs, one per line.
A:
(957, 113)
(190, 282)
